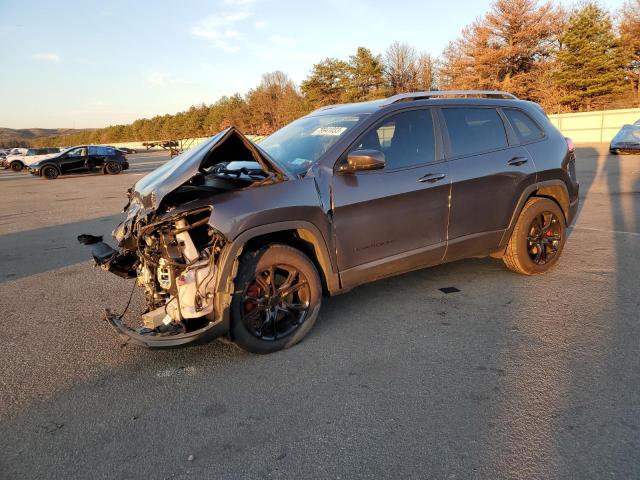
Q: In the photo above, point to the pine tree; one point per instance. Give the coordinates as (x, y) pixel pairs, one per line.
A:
(366, 77)
(327, 83)
(590, 63)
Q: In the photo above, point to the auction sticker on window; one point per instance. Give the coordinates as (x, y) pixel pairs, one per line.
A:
(329, 131)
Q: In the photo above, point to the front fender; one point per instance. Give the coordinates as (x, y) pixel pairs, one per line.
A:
(306, 230)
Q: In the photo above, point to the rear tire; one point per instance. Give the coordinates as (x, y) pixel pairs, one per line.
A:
(50, 172)
(270, 315)
(112, 168)
(538, 238)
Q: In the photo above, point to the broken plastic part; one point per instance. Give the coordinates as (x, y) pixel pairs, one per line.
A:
(150, 339)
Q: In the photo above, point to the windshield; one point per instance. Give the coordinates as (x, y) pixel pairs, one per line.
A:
(299, 144)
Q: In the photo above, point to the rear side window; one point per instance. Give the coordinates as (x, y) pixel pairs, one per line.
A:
(474, 130)
(102, 151)
(526, 129)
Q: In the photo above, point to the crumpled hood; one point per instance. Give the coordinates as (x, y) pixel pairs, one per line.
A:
(152, 188)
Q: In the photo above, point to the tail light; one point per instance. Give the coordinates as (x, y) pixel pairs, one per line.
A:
(570, 145)
(571, 164)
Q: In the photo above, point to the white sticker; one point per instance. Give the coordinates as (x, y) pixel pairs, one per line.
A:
(329, 131)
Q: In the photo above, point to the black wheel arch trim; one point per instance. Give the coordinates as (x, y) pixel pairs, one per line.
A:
(546, 189)
(307, 231)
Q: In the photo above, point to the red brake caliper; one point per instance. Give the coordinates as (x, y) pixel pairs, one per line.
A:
(252, 291)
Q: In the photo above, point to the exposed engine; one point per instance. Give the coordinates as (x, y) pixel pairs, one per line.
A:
(176, 268)
(173, 253)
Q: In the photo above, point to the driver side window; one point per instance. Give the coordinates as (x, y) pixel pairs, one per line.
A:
(406, 139)
(78, 152)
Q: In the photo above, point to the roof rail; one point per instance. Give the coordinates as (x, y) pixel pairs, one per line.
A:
(407, 97)
(326, 107)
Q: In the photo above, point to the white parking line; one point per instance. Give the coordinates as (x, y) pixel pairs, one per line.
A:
(604, 230)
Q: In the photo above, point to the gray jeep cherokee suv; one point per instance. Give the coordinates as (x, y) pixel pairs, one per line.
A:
(244, 239)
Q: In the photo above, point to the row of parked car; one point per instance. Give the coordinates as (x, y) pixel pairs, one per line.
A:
(51, 162)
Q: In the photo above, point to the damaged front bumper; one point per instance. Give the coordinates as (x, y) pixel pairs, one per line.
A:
(155, 341)
(174, 260)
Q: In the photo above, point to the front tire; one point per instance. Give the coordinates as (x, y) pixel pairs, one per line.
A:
(276, 301)
(16, 166)
(50, 172)
(538, 238)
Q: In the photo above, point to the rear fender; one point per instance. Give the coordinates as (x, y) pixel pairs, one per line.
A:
(554, 189)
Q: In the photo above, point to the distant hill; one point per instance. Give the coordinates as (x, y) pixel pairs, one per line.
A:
(10, 137)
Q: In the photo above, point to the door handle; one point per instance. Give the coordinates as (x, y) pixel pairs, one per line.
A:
(517, 161)
(432, 177)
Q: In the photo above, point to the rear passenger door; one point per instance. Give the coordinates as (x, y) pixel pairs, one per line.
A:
(488, 173)
(99, 155)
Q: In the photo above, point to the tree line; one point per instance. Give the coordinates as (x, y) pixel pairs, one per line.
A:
(567, 60)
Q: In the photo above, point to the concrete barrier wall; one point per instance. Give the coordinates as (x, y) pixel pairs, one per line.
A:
(594, 127)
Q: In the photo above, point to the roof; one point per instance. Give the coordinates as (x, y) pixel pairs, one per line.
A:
(472, 97)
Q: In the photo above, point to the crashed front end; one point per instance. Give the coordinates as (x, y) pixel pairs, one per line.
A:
(169, 244)
(174, 260)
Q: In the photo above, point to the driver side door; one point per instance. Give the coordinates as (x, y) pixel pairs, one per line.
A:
(74, 160)
(394, 219)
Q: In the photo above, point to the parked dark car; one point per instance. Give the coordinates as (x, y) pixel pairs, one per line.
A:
(80, 159)
(244, 239)
(627, 140)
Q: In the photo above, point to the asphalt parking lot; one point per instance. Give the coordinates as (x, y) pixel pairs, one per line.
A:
(512, 377)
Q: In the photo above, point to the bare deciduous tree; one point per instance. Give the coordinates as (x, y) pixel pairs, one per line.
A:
(425, 72)
(630, 37)
(400, 67)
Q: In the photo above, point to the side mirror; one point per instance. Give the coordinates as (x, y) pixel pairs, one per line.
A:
(360, 160)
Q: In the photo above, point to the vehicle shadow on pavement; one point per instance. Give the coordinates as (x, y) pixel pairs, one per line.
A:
(511, 377)
(568, 404)
(53, 247)
(396, 360)
(588, 158)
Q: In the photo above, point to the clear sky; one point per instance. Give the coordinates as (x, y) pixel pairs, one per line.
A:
(87, 63)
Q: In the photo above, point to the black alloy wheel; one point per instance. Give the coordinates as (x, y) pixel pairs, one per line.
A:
(50, 173)
(113, 168)
(277, 298)
(538, 238)
(276, 303)
(544, 239)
